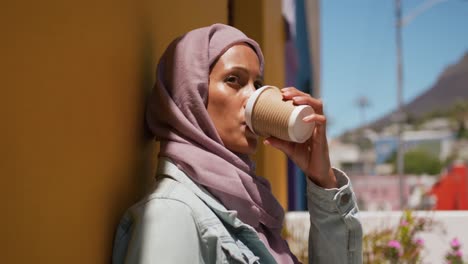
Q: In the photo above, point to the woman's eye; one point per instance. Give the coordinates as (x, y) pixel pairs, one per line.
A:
(232, 79)
(258, 84)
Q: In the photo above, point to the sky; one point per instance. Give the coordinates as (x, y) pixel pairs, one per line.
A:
(358, 54)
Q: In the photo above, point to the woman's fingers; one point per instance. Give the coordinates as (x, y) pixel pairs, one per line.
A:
(285, 146)
(298, 153)
(290, 92)
(315, 103)
(318, 119)
(301, 98)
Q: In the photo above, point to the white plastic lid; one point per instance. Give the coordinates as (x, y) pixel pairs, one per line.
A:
(298, 130)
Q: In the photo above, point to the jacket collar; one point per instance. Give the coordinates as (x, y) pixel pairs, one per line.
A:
(168, 168)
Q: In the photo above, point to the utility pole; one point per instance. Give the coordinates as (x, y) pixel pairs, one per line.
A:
(400, 116)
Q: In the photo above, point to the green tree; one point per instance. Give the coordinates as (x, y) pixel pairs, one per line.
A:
(419, 161)
(459, 113)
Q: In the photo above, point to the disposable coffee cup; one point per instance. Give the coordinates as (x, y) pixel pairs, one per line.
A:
(267, 114)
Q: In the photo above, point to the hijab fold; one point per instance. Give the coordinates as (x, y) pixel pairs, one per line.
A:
(177, 116)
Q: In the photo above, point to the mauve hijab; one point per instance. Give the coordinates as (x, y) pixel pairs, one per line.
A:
(177, 116)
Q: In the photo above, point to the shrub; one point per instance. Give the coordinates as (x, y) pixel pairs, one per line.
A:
(454, 256)
(399, 245)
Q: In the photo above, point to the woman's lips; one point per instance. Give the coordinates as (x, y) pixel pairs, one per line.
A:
(247, 129)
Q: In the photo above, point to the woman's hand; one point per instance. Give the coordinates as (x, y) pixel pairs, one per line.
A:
(311, 156)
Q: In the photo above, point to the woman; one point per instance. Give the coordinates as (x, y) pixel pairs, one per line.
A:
(208, 206)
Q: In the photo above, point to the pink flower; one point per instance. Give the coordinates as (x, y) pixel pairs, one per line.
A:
(455, 242)
(403, 223)
(394, 244)
(419, 241)
(458, 253)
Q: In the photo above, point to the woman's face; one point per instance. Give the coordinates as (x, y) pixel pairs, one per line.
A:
(233, 78)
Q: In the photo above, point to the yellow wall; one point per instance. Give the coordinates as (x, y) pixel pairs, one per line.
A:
(262, 21)
(74, 75)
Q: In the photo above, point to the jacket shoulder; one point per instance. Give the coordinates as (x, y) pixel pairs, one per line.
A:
(157, 227)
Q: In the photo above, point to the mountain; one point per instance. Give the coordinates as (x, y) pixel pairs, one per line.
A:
(450, 87)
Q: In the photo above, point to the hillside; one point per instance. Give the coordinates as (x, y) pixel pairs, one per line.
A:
(451, 86)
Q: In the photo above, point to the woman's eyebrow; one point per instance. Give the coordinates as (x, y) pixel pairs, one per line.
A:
(240, 68)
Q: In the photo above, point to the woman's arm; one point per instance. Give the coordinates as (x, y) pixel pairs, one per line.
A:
(335, 234)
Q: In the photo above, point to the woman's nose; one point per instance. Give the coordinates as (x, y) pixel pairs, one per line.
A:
(249, 90)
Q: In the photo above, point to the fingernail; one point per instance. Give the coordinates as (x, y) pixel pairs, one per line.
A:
(308, 118)
(266, 142)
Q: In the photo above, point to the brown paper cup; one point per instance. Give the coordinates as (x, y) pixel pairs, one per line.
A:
(268, 115)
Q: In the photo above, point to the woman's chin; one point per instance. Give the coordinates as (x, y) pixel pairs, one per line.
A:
(248, 147)
(251, 147)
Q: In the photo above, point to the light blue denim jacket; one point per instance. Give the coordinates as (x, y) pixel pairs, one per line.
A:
(180, 222)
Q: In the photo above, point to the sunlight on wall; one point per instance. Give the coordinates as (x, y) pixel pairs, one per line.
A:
(75, 76)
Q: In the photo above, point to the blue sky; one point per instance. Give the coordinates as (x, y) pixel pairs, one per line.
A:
(358, 54)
